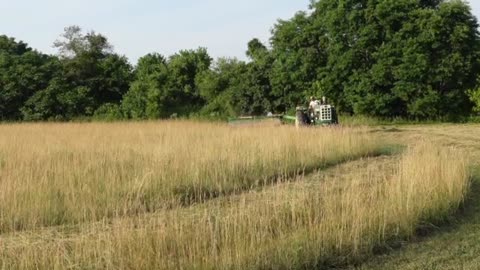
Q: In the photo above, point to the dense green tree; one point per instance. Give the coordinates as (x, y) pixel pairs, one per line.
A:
(299, 50)
(399, 58)
(166, 87)
(251, 95)
(59, 101)
(148, 93)
(89, 61)
(23, 72)
(90, 76)
(184, 67)
(218, 84)
(474, 95)
(387, 58)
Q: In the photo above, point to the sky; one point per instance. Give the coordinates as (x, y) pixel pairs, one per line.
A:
(136, 28)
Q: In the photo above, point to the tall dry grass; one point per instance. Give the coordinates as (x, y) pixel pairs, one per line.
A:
(298, 225)
(55, 174)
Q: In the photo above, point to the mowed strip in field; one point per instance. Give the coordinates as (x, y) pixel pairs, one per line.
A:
(454, 245)
(334, 217)
(57, 174)
(331, 217)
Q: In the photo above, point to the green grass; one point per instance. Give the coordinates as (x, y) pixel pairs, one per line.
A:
(455, 245)
(360, 120)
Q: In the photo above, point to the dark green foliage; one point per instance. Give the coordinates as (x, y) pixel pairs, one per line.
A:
(89, 75)
(299, 50)
(253, 94)
(411, 59)
(166, 87)
(146, 97)
(108, 112)
(475, 98)
(391, 58)
(184, 96)
(59, 101)
(23, 72)
(88, 62)
(218, 85)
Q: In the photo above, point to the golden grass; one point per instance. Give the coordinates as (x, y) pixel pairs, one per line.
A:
(57, 174)
(297, 225)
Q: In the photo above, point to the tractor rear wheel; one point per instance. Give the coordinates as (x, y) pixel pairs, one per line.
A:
(301, 119)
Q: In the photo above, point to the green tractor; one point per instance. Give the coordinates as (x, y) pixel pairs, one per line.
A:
(318, 115)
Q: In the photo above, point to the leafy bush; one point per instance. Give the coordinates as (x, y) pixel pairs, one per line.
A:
(108, 112)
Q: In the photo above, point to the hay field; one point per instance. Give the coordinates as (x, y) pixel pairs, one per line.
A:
(185, 195)
(55, 174)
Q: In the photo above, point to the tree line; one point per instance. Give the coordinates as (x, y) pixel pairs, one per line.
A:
(386, 58)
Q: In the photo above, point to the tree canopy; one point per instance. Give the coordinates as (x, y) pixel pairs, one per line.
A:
(23, 72)
(387, 58)
(384, 58)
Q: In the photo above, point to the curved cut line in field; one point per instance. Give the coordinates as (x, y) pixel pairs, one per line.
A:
(337, 175)
(333, 218)
(449, 135)
(60, 174)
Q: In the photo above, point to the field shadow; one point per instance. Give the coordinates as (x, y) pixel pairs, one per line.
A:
(468, 213)
(189, 195)
(388, 130)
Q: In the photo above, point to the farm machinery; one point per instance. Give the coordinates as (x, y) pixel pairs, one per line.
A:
(317, 114)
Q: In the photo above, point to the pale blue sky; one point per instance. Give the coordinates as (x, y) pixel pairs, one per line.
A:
(136, 28)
